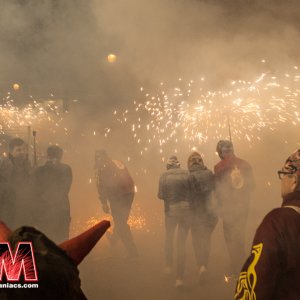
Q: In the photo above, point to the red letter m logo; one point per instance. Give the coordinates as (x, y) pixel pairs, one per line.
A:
(23, 260)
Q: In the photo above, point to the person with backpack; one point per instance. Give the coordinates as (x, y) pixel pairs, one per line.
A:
(234, 185)
(271, 272)
(116, 192)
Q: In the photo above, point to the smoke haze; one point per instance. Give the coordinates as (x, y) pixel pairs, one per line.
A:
(61, 48)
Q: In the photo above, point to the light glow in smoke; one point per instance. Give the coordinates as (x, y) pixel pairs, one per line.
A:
(111, 58)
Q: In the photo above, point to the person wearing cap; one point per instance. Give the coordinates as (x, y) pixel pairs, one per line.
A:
(272, 270)
(16, 187)
(173, 190)
(204, 219)
(56, 264)
(52, 183)
(234, 185)
(116, 191)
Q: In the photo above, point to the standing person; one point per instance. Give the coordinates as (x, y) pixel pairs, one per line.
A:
(116, 192)
(204, 220)
(272, 272)
(15, 171)
(234, 184)
(53, 181)
(173, 190)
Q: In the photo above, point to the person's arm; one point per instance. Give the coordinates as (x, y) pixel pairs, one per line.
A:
(161, 187)
(67, 179)
(259, 274)
(102, 192)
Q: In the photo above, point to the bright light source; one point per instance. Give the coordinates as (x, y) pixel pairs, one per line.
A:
(111, 58)
(16, 86)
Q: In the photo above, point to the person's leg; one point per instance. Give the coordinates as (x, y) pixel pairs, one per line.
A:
(234, 234)
(170, 227)
(120, 210)
(196, 238)
(183, 229)
(207, 225)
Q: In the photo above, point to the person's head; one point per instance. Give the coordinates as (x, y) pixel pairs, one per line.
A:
(54, 152)
(17, 148)
(225, 149)
(173, 162)
(290, 175)
(195, 159)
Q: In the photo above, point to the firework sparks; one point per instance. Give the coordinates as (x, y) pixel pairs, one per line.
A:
(192, 112)
(33, 114)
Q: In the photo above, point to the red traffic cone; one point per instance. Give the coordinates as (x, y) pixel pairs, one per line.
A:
(5, 232)
(79, 247)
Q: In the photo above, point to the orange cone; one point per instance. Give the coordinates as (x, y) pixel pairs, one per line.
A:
(5, 232)
(79, 247)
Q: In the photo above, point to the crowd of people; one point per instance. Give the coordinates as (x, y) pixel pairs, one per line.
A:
(39, 197)
(35, 196)
(187, 196)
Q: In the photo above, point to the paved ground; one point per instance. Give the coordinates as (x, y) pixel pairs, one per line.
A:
(106, 274)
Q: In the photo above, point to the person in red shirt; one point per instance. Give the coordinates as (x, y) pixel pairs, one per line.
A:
(116, 192)
(272, 269)
(234, 184)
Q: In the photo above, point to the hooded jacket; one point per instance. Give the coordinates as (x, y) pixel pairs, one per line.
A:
(201, 182)
(173, 186)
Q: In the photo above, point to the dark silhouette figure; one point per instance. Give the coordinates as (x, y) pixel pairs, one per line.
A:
(204, 219)
(16, 184)
(52, 185)
(116, 192)
(234, 184)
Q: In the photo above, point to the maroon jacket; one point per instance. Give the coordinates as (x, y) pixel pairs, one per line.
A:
(229, 197)
(114, 180)
(272, 271)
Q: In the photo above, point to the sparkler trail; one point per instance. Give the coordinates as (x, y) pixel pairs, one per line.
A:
(192, 113)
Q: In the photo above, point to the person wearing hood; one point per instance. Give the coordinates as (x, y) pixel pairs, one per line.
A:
(173, 190)
(16, 187)
(52, 183)
(234, 185)
(56, 265)
(204, 220)
(271, 271)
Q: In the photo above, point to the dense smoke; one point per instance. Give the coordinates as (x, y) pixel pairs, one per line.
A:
(61, 48)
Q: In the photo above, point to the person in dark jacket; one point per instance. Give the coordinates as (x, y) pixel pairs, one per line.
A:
(234, 185)
(16, 184)
(56, 265)
(173, 190)
(204, 219)
(116, 192)
(52, 185)
(272, 271)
